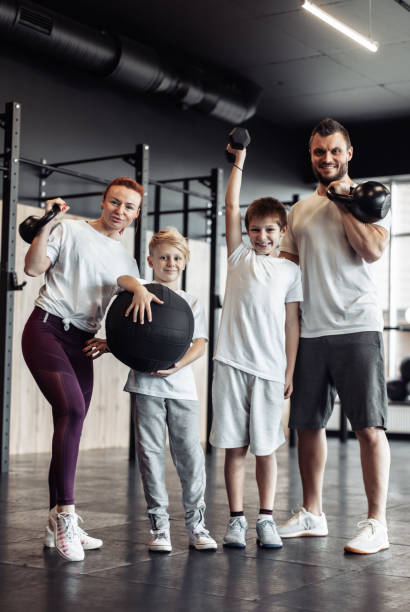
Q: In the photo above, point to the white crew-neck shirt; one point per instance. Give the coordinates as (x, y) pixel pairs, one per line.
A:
(181, 384)
(340, 295)
(82, 278)
(252, 329)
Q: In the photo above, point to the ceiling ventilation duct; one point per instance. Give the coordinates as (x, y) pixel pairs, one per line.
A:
(125, 62)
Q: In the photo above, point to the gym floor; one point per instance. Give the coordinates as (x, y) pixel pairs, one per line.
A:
(306, 574)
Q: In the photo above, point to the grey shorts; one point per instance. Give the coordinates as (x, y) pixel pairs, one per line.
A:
(247, 410)
(350, 365)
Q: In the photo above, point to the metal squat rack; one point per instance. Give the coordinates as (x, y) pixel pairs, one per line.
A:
(11, 160)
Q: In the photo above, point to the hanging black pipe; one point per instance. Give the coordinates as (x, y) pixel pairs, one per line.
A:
(126, 63)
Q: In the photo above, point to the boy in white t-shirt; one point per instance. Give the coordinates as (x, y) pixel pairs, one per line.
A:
(255, 355)
(168, 398)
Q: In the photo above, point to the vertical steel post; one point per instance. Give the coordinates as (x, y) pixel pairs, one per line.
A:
(185, 223)
(157, 208)
(140, 245)
(214, 285)
(8, 251)
(142, 176)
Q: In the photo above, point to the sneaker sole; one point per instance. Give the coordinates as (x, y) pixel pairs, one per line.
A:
(64, 556)
(160, 549)
(304, 534)
(262, 545)
(234, 545)
(357, 551)
(204, 546)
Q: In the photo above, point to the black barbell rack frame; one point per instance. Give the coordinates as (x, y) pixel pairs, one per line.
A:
(10, 121)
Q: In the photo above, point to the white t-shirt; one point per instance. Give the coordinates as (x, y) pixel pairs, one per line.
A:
(82, 278)
(252, 330)
(340, 295)
(181, 384)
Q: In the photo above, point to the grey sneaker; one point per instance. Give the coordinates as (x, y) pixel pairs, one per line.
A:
(304, 523)
(267, 533)
(236, 532)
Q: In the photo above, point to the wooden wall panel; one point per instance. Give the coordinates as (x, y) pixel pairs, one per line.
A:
(107, 423)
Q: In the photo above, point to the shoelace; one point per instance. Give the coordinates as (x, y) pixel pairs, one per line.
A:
(159, 535)
(200, 530)
(70, 524)
(296, 513)
(236, 524)
(367, 523)
(267, 522)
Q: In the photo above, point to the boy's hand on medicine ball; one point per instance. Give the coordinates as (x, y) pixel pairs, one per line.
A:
(165, 373)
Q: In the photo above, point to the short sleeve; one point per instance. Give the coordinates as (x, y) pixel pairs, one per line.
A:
(133, 269)
(200, 327)
(54, 243)
(238, 253)
(295, 292)
(289, 244)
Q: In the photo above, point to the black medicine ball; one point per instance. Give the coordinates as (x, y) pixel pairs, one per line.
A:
(151, 346)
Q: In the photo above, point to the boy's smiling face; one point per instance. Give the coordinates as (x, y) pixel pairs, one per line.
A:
(168, 263)
(265, 234)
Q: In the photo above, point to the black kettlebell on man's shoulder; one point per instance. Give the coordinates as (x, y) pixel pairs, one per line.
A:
(30, 227)
(367, 202)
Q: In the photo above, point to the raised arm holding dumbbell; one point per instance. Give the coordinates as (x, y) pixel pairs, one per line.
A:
(255, 352)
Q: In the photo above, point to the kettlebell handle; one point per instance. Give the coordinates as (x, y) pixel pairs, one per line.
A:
(30, 227)
(48, 216)
(345, 198)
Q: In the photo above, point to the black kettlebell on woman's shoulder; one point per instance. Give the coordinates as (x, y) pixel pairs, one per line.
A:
(367, 202)
(30, 227)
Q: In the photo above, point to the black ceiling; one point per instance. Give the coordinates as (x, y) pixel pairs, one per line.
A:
(306, 69)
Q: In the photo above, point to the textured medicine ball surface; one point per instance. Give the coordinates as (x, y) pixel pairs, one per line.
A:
(151, 346)
(396, 390)
(405, 369)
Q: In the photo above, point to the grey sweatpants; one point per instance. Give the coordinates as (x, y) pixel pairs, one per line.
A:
(151, 417)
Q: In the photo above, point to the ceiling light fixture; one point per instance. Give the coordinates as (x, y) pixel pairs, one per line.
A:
(371, 45)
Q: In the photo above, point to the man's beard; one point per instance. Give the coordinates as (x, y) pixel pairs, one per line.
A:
(327, 180)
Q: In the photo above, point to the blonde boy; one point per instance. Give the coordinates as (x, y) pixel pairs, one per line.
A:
(169, 398)
(255, 355)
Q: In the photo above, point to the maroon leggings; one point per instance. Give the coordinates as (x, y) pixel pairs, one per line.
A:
(65, 377)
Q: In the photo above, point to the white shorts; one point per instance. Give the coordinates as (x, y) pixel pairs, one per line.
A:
(247, 410)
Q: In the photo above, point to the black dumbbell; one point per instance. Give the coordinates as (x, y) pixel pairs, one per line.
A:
(368, 202)
(238, 138)
(29, 228)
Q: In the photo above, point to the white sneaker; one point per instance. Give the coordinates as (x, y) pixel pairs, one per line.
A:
(160, 541)
(267, 534)
(87, 542)
(235, 536)
(304, 523)
(371, 538)
(200, 539)
(67, 538)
